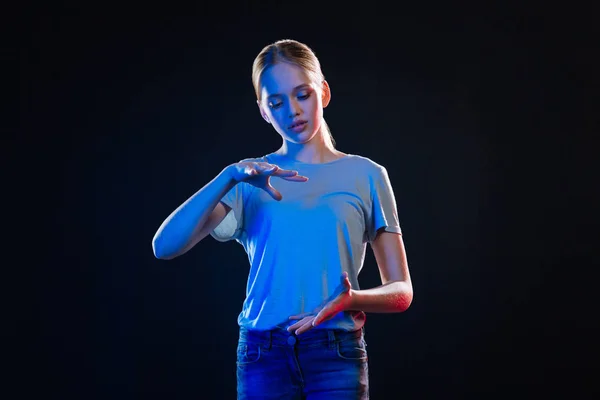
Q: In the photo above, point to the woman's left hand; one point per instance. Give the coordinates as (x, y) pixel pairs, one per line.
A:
(341, 300)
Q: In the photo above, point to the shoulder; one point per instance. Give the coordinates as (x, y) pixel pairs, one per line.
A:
(368, 165)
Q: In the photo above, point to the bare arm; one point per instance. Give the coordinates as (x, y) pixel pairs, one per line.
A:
(193, 220)
(393, 296)
(396, 292)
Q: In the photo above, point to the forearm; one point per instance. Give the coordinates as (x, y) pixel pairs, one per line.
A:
(391, 297)
(177, 230)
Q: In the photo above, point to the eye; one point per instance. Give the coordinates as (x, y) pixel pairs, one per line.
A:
(304, 96)
(275, 105)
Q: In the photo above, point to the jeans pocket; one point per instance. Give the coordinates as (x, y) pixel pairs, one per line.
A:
(248, 353)
(352, 349)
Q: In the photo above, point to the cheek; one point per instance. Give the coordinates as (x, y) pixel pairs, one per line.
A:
(276, 121)
(273, 116)
(316, 105)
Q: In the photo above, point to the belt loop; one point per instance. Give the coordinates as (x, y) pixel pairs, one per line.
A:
(331, 338)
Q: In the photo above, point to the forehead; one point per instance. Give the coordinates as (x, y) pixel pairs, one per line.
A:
(282, 78)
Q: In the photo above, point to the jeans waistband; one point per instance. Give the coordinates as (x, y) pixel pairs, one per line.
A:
(281, 337)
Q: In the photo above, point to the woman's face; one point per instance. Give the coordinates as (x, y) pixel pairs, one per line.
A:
(292, 103)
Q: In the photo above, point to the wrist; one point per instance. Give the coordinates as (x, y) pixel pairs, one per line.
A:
(228, 173)
(354, 300)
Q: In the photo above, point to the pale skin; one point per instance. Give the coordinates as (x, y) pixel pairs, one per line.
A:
(394, 295)
(287, 94)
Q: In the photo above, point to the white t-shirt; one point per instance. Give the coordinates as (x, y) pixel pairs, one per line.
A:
(298, 247)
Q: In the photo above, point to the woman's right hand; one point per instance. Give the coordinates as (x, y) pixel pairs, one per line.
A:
(259, 174)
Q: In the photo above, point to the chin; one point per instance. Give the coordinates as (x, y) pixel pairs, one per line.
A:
(306, 136)
(302, 139)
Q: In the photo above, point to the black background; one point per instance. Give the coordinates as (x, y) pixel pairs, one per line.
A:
(483, 116)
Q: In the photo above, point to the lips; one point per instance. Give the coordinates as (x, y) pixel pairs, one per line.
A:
(297, 124)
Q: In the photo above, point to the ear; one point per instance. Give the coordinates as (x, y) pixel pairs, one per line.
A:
(326, 95)
(262, 112)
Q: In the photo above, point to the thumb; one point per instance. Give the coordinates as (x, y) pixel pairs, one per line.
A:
(345, 278)
(272, 191)
(346, 281)
(321, 316)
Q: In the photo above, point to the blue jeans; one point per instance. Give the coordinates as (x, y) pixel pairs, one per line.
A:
(318, 364)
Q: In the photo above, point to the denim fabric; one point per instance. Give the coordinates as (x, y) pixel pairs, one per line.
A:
(318, 364)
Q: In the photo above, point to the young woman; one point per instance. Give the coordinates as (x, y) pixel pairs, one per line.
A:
(304, 215)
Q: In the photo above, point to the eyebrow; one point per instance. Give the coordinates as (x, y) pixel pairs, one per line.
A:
(302, 86)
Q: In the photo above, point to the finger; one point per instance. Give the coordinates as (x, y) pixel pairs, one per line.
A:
(300, 316)
(320, 317)
(297, 178)
(299, 324)
(285, 172)
(295, 326)
(346, 280)
(329, 311)
(268, 169)
(289, 175)
(323, 316)
(249, 170)
(274, 193)
(306, 327)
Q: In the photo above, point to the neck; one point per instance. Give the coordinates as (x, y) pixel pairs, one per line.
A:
(316, 151)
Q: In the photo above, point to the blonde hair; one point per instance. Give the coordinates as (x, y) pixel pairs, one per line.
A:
(293, 52)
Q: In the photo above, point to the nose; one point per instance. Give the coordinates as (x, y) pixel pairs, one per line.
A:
(294, 108)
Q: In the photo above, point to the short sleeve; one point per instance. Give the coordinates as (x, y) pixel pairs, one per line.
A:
(383, 213)
(233, 223)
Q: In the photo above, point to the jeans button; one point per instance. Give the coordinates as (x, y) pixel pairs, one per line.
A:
(291, 340)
